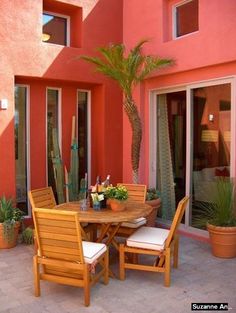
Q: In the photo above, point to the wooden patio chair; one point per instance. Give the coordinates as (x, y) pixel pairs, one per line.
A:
(44, 198)
(136, 193)
(161, 243)
(62, 256)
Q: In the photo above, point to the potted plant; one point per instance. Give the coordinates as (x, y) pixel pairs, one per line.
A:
(219, 218)
(116, 197)
(10, 218)
(153, 199)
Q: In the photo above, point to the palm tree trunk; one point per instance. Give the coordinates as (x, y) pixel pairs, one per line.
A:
(136, 126)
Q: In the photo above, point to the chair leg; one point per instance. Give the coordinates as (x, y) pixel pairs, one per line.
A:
(176, 252)
(86, 285)
(36, 276)
(167, 268)
(106, 267)
(122, 262)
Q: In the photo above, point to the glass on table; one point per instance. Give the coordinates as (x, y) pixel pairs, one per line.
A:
(83, 204)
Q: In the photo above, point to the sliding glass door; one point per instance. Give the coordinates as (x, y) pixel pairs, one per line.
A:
(190, 144)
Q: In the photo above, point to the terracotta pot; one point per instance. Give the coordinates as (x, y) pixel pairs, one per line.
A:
(116, 205)
(223, 241)
(151, 218)
(4, 244)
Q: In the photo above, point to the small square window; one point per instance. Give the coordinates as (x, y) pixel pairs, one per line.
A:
(185, 18)
(55, 29)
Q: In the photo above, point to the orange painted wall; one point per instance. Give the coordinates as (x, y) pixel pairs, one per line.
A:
(26, 59)
(206, 54)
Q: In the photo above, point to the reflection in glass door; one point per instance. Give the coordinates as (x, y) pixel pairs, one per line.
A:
(52, 123)
(83, 103)
(20, 122)
(211, 138)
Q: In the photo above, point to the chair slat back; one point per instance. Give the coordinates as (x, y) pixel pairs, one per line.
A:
(58, 234)
(177, 219)
(136, 192)
(42, 198)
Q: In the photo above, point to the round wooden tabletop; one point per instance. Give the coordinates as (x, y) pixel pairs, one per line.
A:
(133, 210)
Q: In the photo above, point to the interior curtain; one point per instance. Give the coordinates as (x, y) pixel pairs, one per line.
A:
(166, 177)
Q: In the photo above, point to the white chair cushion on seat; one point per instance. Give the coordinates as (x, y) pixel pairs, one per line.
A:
(92, 251)
(148, 238)
(137, 222)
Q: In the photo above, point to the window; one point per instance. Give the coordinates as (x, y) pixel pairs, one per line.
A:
(21, 147)
(55, 29)
(185, 18)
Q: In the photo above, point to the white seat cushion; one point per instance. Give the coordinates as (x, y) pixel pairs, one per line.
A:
(92, 251)
(137, 222)
(148, 238)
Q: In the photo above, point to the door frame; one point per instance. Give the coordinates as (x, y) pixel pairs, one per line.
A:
(189, 137)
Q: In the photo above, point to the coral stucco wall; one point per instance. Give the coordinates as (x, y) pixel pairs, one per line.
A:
(26, 59)
(206, 54)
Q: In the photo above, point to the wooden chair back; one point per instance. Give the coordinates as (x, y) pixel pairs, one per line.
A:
(42, 198)
(58, 235)
(136, 192)
(175, 224)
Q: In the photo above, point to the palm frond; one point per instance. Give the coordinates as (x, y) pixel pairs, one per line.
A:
(150, 64)
(126, 70)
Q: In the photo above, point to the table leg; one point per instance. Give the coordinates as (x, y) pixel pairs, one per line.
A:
(110, 238)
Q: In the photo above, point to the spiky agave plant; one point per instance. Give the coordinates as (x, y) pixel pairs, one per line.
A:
(219, 212)
(128, 70)
(9, 215)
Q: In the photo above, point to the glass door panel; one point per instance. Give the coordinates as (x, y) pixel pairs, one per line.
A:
(52, 123)
(211, 141)
(171, 150)
(83, 132)
(20, 122)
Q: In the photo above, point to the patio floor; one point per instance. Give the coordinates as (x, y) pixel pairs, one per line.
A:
(200, 278)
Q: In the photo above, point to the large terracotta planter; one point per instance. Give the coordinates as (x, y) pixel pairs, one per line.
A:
(223, 241)
(116, 205)
(151, 218)
(4, 244)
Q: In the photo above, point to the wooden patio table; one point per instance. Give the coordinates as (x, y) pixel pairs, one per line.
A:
(106, 217)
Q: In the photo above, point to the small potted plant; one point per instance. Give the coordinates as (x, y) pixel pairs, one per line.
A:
(219, 217)
(153, 199)
(10, 219)
(116, 197)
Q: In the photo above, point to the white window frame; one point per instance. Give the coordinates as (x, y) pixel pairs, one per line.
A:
(153, 138)
(89, 128)
(68, 30)
(59, 124)
(28, 169)
(174, 15)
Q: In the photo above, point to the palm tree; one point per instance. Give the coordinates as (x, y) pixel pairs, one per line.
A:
(128, 71)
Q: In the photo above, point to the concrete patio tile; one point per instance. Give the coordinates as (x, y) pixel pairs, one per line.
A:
(199, 278)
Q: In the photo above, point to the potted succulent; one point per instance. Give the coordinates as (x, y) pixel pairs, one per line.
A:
(153, 199)
(219, 218)
(10, 220)
(116, 197)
